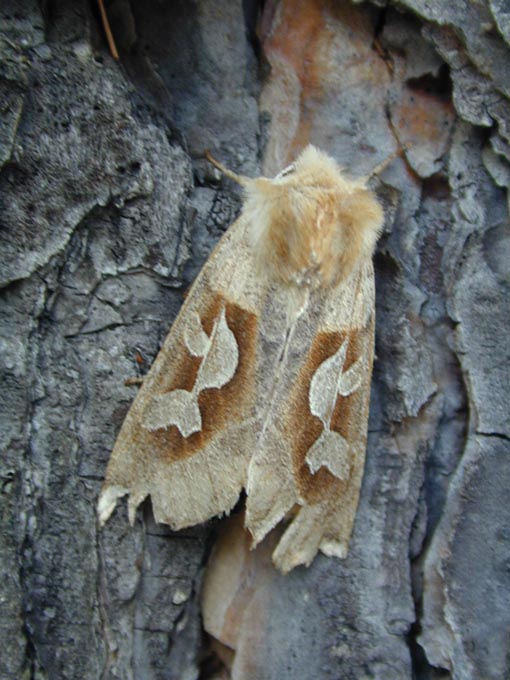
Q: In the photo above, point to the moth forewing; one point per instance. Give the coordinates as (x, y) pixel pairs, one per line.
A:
(263, 381)
(318, 427)
(192, 477)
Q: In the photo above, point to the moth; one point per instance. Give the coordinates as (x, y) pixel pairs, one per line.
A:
(263, 382)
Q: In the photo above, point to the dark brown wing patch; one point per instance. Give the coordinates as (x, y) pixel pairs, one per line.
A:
(306, 428)
(218, 407)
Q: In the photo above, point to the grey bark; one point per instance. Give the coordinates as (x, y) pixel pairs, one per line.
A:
(108, 212)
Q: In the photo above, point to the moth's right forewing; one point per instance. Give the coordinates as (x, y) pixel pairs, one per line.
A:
(310, 455)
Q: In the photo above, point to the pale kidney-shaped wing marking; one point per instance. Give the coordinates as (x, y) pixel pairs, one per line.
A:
(195, 338)
(178, 407)
(330, 380)
(220, 360)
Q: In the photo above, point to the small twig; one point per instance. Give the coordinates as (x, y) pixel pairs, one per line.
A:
(134, 380)
(108, 31)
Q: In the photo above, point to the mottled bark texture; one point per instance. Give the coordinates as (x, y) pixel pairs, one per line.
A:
(108, 211)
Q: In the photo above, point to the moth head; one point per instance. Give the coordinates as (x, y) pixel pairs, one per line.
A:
(311, 225)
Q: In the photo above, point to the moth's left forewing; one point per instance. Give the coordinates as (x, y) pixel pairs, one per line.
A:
(187, 438)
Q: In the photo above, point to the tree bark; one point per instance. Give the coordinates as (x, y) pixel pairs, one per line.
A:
(108, 211)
